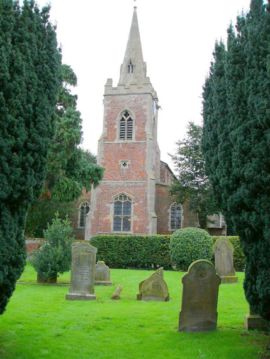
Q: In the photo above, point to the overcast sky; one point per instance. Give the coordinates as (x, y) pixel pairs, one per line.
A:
(178, 38)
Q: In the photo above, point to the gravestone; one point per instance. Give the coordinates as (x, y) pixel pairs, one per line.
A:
(254, 321)
(82, 272)
(102, 276)
(200, 297)
(117, 292)
(224, 260)
(154, 288)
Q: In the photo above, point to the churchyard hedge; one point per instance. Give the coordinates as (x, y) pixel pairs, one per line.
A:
(131, 251)
(238, 255)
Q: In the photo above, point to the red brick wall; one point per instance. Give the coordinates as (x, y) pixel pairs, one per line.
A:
(133, 181)
(33, 244)
(103, 216)
(163, 203)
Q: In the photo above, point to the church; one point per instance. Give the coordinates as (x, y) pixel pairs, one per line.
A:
(133, 196)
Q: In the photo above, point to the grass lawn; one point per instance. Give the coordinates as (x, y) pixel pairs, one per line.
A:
(40, 323)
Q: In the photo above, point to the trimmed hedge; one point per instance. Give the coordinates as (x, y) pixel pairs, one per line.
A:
(132, 251)
(238, 255)
(188, 245)
(148, 252)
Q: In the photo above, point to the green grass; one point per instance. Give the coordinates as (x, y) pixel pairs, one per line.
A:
(40, 323)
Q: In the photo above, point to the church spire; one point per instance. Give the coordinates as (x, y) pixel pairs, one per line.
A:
(133, 68)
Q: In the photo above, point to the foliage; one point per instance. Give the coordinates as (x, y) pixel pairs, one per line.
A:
(54, 256)
(70, 168)
(133, 251)
(83, 330)
(192, 183)
(29, 83)
(236, 143)
(238, 255)
(188, 245)
(42, 213)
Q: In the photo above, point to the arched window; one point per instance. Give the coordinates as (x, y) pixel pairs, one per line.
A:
(126, 127)
(83, 210)
(176, 213)
(130, 67)
(122, 213)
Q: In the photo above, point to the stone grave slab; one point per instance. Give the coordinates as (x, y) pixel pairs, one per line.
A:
(223, 249)
(102, 276)
(154, 288)
(82, 272)
(200, 297)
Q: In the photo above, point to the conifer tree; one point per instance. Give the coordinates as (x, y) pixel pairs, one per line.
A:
(192, 184)
(29, 83)
(236, 144)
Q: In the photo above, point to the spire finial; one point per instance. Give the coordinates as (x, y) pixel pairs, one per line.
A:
(135, 4)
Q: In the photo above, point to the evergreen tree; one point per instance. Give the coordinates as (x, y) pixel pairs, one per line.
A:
(29, 83)
(192, 184)
(70, 168)
(237, 153)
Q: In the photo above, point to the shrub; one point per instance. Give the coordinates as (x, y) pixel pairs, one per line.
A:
(133, 251)
(188, 245)
(54, 256)
(238, 255)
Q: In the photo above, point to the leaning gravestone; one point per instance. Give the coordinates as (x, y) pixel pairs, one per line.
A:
(117, 292)
(82, 272)
(102, 276)
(200, 297)
(154, 288)
(224, 260)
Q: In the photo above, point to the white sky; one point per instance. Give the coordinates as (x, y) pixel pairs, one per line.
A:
(177, 37)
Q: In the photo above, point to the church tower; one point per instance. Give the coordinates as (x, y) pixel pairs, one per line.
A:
(124, 202)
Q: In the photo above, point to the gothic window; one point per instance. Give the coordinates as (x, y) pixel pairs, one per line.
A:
(176, 213)
(83, 210)
(126, 127)
(130, 67)
(122, 213)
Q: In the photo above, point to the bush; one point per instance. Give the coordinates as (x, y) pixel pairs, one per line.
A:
(42, 213)
(54, 256)
(238, 255)
(188, 245)
(132, 251)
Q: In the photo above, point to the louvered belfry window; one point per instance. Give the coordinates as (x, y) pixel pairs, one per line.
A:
(126, 127)
(176, 212)
(122, 213)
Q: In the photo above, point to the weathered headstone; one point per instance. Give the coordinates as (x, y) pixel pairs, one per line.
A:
(154, 288)
(82, 272)
(117, 292)
(200, 297)
(102, 276)
(254, 321)
(224, 260)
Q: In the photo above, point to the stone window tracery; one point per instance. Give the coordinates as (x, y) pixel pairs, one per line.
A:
(176, 214)
(126, 127)
(83, 211)
(122, 208)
